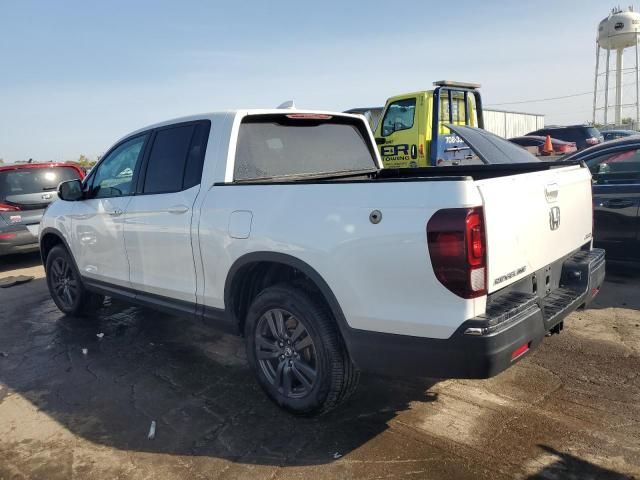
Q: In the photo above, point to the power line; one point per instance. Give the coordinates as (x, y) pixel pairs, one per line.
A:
(555, 98)
(539, 99)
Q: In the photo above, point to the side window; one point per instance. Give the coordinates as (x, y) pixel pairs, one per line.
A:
(195, 157)
(399, 116)
(167, 160)
(113, 176)
(616, 168)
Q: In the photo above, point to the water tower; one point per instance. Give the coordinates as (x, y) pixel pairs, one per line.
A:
(617, 32)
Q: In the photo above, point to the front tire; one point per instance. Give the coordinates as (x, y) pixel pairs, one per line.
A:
(66, 287)
(296, 351)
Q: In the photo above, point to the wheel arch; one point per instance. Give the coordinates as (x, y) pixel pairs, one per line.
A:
(49, 238)
(258, 266)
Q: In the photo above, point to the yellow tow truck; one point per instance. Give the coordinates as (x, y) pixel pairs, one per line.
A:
(411, 130)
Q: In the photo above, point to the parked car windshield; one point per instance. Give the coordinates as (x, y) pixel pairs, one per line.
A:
(277, 146)
(25, 181)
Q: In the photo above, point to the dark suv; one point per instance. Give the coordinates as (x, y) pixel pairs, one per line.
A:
(583, 136)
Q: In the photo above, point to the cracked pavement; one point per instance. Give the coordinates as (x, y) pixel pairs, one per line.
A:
(569, 410)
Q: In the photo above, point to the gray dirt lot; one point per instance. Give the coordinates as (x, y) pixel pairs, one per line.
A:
(569, 410)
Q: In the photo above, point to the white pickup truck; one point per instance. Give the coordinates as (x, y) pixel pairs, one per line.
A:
(281, 226)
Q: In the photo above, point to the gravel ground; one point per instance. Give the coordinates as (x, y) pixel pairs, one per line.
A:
(569, 410)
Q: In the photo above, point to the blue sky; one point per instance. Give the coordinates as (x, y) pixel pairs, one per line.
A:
(75, 76)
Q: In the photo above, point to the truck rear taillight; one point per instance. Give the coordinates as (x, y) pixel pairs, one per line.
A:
(457, 247)
(8, 208)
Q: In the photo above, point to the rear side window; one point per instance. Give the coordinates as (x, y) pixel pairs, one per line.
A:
(176, 158)
(195, 156)
(568, 134)
(167, 160)
(575, 134)
(277, 146)
(25, 181)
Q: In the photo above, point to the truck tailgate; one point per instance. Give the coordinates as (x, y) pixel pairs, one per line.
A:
(533, 219)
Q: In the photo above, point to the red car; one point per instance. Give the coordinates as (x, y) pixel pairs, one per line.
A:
(26, 189)
(560, 147)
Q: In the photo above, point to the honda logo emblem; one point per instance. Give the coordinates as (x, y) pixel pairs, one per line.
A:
(554, 218)
(46, 196)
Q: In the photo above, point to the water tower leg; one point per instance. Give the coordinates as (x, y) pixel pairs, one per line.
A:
(606, 89)
(619, 69)
(637, 87)
(595, 81)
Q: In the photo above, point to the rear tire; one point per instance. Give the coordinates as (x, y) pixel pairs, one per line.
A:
(66, 287)
(296, 351)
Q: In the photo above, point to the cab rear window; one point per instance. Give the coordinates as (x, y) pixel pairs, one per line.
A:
(277, 146)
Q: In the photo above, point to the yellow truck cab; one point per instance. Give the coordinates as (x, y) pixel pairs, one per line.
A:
(412, 129)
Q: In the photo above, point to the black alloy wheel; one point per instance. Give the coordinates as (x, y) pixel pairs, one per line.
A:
(296, 351)
(286, 353)
(63, 282)
(66, 287)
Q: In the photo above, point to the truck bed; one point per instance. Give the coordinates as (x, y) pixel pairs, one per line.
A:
(475, 172)
(448, 173)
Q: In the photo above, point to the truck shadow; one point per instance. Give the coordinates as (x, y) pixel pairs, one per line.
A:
(569, 466)
(192, 381)
(22, 260)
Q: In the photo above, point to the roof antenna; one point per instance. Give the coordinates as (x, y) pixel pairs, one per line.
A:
(288, 105)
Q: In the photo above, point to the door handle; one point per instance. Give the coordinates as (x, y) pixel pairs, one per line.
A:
(116, 213)
(178, 209)
(617, 203)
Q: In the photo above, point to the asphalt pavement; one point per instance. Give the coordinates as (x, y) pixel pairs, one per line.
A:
(78, 397)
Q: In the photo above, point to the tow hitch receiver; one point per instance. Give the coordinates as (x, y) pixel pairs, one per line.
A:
(557, 329)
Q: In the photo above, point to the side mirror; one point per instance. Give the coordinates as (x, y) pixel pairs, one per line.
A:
(70, 190)
(381, 140)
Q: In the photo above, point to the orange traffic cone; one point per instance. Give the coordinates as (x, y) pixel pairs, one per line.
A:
(547, 149)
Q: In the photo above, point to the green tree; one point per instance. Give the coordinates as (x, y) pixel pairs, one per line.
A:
(1, 161)
(85, 161)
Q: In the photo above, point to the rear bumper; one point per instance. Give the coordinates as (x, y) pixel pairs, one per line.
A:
(513, 325)
(17, 239)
